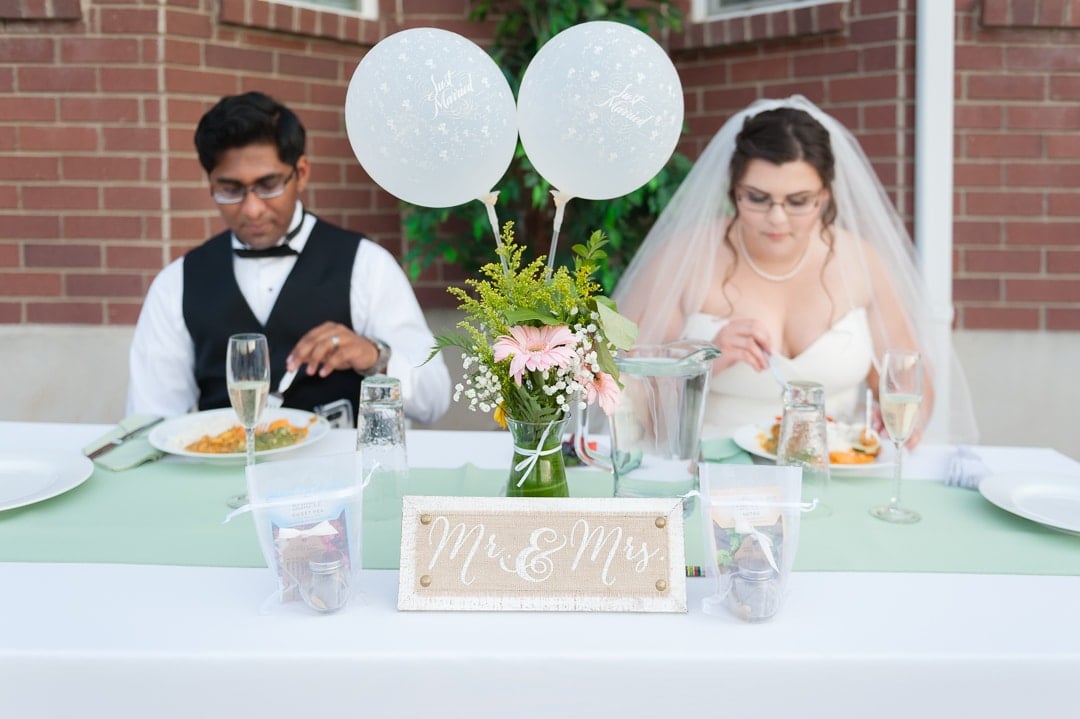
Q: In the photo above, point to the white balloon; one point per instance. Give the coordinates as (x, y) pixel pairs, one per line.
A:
(431, 117)
(600, 110)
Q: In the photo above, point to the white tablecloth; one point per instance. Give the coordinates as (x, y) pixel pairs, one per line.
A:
(152, 641)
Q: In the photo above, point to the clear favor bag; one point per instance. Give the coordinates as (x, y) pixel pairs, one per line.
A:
(752, 531)
(308, 515)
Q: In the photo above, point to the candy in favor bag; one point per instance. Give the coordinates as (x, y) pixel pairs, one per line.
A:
(752, 531)
(308, 514)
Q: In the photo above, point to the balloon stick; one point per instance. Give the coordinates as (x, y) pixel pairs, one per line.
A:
(561, 198)
(489, 200)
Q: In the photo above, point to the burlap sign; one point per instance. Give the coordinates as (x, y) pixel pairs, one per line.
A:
(489, 554)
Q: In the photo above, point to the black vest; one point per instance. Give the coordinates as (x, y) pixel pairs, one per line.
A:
(316, 291)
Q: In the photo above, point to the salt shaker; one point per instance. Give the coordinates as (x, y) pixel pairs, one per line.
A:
(325, 586)
(380, 438)
(804, 442)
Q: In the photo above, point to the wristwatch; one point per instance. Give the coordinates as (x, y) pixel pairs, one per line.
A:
(382, 360)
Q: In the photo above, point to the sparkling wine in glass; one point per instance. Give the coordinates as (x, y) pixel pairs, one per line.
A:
(247, 367)
(900, 393)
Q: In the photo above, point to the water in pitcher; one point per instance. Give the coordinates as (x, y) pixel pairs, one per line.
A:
(655, 431)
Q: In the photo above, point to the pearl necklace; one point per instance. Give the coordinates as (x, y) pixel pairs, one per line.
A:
(762, 273)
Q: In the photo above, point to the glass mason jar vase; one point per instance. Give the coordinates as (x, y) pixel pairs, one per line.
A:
(537, 469)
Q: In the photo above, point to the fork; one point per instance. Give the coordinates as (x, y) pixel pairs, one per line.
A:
(277, 398)
(776, 373)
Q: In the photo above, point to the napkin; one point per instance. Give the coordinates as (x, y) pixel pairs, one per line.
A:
(725, 451)
(133, 452)
(966, 469)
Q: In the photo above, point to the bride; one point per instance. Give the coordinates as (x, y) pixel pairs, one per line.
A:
(781, 242)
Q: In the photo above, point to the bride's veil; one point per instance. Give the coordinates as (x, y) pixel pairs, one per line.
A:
(671, 272)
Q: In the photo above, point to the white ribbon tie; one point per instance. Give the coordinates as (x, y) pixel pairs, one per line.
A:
(532, 456)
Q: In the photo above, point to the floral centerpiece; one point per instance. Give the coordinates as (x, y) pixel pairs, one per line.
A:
(535, 341)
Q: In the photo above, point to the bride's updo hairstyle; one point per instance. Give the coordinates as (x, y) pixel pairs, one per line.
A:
(783, 135)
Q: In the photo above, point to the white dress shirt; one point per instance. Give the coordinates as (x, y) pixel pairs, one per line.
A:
(382, 304)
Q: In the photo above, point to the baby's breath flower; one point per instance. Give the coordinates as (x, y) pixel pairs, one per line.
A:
(551, 353)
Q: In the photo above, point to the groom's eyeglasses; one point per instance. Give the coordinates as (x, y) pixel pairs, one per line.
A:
(759, 202)
(265, 188)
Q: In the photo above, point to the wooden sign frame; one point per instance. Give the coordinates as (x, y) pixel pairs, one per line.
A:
(533, 554)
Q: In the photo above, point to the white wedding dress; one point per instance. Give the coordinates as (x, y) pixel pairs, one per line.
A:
(839, 359)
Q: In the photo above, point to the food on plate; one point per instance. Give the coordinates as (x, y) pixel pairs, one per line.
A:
(848, 443)
(851, 456)
(769, 441)
(870, 439)
(279, 433)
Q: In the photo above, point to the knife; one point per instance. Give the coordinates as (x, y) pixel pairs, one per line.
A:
(114, 443)
(277, 398)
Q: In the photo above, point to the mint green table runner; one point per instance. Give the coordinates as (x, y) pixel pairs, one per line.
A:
(171, 513)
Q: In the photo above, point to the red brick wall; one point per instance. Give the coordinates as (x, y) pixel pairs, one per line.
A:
(99, 185)
(1017, 199)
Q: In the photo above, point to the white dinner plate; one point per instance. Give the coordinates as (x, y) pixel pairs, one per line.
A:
(747, 438)
(29, 476)
(173, 435)
(1043, 497)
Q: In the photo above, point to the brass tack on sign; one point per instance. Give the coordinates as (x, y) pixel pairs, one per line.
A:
(425, 581)
(425, 519)
(661, 585)
(661, 522)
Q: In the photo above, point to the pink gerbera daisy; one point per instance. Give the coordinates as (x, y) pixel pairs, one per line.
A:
(605, 390)
(535, 348)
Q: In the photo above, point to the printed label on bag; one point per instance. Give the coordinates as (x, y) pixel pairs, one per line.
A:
(758, 506)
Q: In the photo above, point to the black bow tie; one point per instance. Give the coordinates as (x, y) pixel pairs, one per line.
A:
(282, 250)
(275, 251)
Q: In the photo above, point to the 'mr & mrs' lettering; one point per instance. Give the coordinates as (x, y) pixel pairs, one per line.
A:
(591, 545)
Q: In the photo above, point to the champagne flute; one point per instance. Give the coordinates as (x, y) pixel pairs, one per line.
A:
(900, 393)
(247, 367)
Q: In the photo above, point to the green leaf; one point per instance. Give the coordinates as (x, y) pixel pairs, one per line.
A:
(521, 315)
(450, 339)
(606, 361)
(620, 331)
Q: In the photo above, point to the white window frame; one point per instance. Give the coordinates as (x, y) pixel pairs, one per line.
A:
(367, 9)
(703, 10)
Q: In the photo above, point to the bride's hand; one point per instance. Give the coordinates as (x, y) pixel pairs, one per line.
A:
(744, 340)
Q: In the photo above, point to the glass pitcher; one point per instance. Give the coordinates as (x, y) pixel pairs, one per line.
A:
(656, 427)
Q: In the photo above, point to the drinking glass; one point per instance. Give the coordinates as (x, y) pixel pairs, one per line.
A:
(247, 368)
(899, 393)
(804, 442)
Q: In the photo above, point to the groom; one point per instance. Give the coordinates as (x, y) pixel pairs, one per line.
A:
(312, 288)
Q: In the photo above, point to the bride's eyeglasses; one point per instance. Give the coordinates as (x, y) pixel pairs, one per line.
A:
(803, 203)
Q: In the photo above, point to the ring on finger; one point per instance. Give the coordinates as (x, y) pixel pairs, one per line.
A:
(335, 341)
